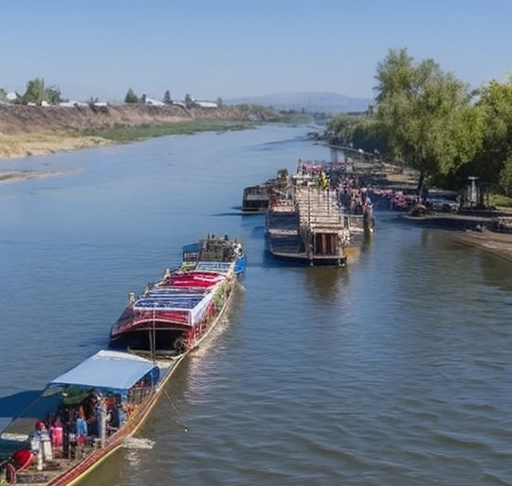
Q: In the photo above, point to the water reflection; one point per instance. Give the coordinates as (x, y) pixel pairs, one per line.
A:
(327, 282)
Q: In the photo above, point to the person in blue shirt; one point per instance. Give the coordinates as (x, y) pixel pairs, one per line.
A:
(81, 427)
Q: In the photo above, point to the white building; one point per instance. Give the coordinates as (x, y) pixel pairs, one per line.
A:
(150, 101)
(206, 104)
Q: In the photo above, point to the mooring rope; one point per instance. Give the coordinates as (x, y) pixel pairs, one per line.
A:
(180, 420)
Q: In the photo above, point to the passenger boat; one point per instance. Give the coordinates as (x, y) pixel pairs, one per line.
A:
(173, 315)
(111, 392)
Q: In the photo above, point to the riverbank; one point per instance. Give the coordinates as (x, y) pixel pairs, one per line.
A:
(15, 146)
(41, 130)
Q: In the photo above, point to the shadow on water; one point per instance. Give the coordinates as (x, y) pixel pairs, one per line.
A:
(12, 405)
(494, 270)
(228, 213)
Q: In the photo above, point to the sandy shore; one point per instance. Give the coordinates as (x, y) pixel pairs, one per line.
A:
(24, 145)
(499, 244)
(25, 175)
(462, 228)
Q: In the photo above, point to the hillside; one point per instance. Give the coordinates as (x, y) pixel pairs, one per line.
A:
(311, 102)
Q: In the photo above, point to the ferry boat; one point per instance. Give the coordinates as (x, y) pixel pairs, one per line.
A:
(82, 417)
(173, 315)
(255, 198)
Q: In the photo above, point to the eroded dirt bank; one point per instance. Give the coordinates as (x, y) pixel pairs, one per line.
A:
(39, 130)
(16, 119)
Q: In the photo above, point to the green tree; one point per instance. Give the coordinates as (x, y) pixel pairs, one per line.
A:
(424, 113)
(492, 163)
(53, 95)
(35, 92)
(131, 97)
(189, 102)
(220, 102)
(340, 129)
(3, 96)
(368, 135)
(506, 177)
(167, 98)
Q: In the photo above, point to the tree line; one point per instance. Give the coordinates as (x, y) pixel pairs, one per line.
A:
(132, 97)
(431, 121)
(36, 93)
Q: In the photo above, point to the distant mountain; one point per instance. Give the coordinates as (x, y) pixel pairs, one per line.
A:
(313, 102)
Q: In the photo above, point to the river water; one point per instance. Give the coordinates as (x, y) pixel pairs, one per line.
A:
(395, 370)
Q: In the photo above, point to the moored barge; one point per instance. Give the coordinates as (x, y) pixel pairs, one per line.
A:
(309, 228)
(173, 315)
(255, 199)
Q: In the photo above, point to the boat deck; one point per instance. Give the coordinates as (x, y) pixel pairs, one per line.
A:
(309, 228)
(56, 467)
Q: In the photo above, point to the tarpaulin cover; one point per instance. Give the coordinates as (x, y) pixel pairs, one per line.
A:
(108, 370)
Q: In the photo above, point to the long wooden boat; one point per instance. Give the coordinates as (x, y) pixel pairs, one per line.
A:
(174, 314)
(112, 392)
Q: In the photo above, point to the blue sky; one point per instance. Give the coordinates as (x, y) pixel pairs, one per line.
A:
(231, 48)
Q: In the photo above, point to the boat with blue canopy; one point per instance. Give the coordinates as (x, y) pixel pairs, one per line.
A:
(81, 417)
(86, 413)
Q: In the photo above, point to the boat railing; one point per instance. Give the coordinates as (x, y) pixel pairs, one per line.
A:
(138, 394)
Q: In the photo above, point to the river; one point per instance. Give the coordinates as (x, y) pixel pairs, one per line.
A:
(395, 370)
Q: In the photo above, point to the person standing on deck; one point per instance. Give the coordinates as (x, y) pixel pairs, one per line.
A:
(81, 427)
